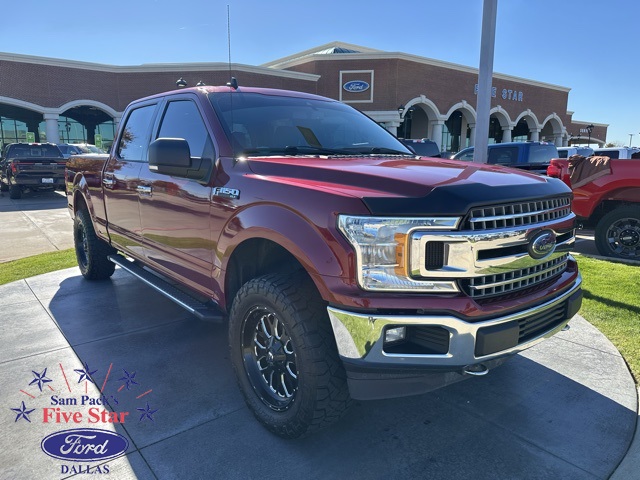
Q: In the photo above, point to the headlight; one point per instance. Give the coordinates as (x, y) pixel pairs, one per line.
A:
(381, 246)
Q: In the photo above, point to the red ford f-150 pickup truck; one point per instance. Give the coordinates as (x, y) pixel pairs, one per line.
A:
(347, 266)
(607, 197)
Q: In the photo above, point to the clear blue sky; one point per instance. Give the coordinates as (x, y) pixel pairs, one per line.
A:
(590, 46)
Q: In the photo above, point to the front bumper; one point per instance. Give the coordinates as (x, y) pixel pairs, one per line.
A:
(452, 345)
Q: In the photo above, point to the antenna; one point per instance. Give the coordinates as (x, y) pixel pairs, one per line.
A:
(233, 83)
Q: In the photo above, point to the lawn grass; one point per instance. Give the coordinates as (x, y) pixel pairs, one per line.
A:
(36, 265)
(612, 304)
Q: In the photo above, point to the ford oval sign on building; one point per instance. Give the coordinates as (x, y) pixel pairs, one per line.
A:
(356, 86)
(84, 445)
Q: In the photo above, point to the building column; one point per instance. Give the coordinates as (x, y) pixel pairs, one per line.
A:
(472, 137)
(558, 140)
(436, 127)
(506, 134)
(51, 127)
(392, 127)
(535, 134)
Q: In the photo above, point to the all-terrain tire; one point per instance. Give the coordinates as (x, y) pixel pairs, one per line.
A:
(15, 192)
(618, 233)
(285, 357)
(91, 251)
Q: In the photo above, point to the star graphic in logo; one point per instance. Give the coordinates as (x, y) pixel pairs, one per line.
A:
(24, 413)
(85, 374)
(129, 379)
(146, 413)
(40, 378)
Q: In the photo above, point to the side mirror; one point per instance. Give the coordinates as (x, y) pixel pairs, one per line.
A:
(171, 156)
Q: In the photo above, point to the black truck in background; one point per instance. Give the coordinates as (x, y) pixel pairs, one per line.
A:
(33, 166)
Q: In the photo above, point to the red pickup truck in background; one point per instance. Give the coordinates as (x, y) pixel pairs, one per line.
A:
(606, 196)
(346, 266)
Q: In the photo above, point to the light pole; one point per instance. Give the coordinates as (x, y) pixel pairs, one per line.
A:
(589, 129)
(630, 139)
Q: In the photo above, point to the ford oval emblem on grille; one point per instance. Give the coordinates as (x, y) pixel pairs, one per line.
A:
(542, 244)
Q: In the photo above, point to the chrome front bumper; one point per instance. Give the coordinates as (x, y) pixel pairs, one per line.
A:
(360, 337)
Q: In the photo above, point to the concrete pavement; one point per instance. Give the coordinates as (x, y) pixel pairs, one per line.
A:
(565, 409)
(37, 223)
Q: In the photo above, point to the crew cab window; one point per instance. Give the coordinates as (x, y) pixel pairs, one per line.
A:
(183, 120)
(135, 135)
(503, 155)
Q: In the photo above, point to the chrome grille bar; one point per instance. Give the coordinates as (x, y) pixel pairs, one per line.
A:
(497, 284)
(518, 214)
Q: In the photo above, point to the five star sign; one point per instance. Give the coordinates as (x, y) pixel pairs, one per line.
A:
(84, 373)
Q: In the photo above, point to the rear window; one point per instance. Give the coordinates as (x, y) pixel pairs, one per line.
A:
(542, 153)
(33, 151)
(608, 153)
(503, 155)
(423, 148)
(562, 154)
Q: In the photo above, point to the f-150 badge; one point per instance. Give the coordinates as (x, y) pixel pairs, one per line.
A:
(226, 192)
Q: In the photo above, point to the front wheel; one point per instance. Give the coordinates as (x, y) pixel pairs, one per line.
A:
(91, 251)
(284, 355)
(618, 233)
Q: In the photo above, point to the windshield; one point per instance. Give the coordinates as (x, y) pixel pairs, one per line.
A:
(542, 153)
(271, 125)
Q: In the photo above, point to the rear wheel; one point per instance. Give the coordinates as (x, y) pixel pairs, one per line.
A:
(91, 251)
(15, 192)
(618, 233)
(284, 355)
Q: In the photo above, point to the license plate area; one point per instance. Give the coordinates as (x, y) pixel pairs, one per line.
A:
(47, 180)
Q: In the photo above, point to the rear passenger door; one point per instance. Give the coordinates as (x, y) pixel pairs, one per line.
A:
(176, 227)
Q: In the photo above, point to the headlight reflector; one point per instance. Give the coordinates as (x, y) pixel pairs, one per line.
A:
(382, 254)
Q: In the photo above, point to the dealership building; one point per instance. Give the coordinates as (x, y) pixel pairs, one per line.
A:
(65, 101)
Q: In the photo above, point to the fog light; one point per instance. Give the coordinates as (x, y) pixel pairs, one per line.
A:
(395, 334)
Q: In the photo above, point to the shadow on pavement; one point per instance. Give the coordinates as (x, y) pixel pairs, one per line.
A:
(524, 420)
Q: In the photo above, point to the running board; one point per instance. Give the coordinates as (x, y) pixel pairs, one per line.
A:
(192, 305)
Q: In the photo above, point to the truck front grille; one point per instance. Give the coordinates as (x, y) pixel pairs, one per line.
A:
(502, 283)
(517, 214)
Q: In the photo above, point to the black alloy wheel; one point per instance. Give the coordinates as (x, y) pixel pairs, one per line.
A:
(269, 358)
(618, 233)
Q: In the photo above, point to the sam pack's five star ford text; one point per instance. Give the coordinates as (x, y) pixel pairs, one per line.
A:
(346, 266)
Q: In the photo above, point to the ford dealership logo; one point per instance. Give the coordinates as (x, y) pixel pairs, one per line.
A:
(84, 445)
(356, 86)
(542, 244)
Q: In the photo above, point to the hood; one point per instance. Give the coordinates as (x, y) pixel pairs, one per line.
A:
(409, 186)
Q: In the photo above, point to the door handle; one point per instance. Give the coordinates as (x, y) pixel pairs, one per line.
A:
(144, 190)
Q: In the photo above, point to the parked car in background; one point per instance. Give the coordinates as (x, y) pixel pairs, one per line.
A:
(618, 152)
(566, 152)
(68, 149)
(532, 156)
(33, 166)
(423, 147)
(88, 148)
(606, 197)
